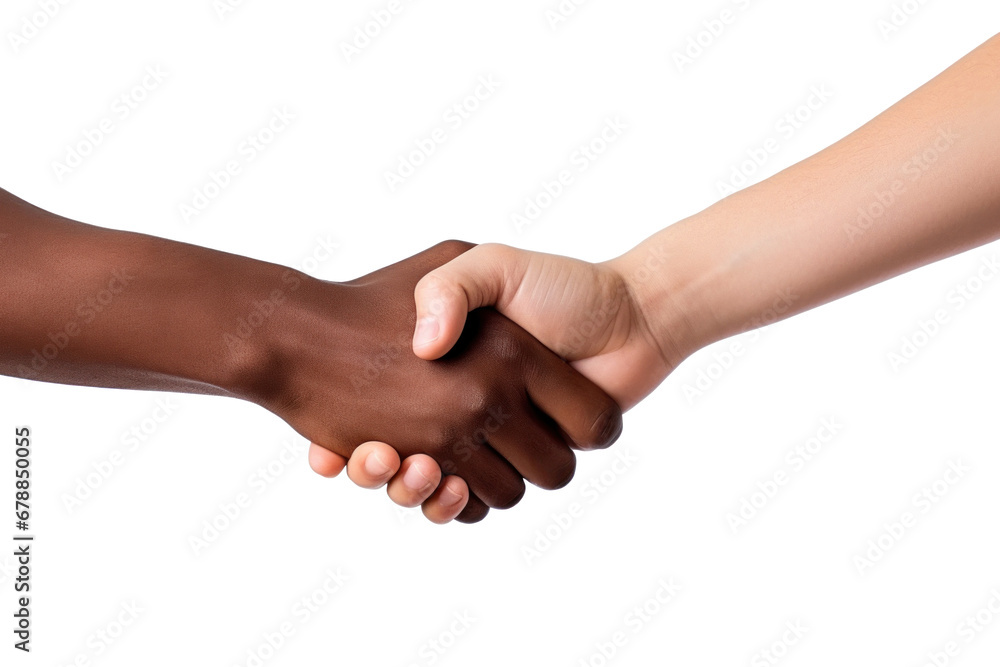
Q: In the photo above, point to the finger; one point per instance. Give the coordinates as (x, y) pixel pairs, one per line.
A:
(448, 501)
(416, 480)
(324, 462)
(372, 465)
(474, 512)
(535, 448)
(490, 477)
(587, 415)
(480, 277)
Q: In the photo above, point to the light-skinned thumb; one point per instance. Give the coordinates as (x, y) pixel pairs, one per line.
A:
(445, 296)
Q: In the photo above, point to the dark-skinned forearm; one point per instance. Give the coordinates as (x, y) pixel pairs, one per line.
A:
(92, 306)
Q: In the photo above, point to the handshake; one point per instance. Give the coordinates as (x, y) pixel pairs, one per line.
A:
(475, 402)
(453, 376)
(508, 360)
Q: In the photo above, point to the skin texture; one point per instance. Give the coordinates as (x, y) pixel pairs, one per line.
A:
(98, 307)
(919, 183)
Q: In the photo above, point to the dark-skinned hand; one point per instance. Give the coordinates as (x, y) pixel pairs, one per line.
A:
(498, 409)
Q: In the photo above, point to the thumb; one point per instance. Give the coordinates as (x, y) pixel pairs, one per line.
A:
(486, 275)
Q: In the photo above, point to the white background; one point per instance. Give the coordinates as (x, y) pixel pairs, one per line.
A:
(665, 516)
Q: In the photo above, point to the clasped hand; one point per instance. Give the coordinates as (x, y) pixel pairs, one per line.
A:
(497, 409)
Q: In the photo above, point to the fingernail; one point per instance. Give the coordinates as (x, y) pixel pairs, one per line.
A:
(449, 497)
(415, 480)
(427, 331)
(375, 466)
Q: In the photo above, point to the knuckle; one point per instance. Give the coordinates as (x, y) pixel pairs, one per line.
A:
(476, 398)
(441, 293)
(454, 247)
(605, 429)
(497, 251)
(432, 281)
(498, 261)
(508, 348)
(433, 291)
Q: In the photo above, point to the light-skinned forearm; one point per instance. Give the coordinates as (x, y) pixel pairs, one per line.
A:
(918, 183)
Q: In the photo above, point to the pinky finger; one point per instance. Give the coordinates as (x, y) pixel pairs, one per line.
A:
(448, 501)
(324, 462)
